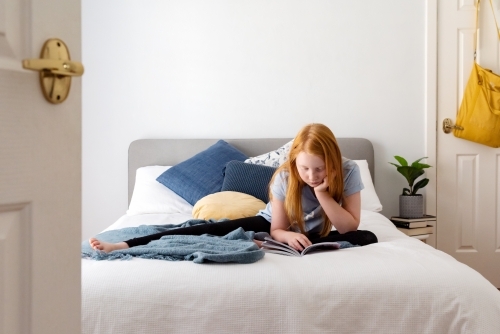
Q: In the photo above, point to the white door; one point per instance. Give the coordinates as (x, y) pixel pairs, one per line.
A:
(40, 175)
(468, 174)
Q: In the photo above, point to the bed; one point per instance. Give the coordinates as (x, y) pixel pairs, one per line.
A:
(399, 285)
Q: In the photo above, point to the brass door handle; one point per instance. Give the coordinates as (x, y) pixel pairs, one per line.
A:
(56, 70)
(449, 127)
(54, 66)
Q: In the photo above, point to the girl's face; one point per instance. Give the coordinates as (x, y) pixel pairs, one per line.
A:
(311, 168)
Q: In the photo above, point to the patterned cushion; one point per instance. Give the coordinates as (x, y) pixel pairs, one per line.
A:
(248, 178)
(201, 174)
(274, 158)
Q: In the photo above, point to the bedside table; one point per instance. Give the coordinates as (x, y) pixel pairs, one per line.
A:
(425, 234)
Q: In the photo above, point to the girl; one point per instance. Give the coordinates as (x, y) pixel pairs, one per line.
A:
(314, 191)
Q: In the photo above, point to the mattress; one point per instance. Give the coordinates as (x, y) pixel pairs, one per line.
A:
(399, 285)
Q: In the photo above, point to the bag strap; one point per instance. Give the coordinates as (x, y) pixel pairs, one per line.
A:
(477, 24)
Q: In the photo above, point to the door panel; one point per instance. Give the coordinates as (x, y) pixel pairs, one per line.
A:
(15, 262)
(467, 196)
(13, 32)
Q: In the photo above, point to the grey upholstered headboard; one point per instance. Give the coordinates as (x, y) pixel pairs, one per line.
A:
(169, 152)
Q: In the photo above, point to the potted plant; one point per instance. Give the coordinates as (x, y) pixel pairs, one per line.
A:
(411, 204)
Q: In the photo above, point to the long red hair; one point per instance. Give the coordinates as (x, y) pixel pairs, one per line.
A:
(319, 140)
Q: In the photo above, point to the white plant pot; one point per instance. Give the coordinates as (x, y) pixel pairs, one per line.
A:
(411, 206)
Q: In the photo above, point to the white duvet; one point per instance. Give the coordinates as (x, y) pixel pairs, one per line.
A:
(399, 285)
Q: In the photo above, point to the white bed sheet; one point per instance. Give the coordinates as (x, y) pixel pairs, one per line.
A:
(399, 285)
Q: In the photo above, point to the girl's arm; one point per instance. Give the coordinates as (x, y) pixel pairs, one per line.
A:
(345, 218)
(280, 227)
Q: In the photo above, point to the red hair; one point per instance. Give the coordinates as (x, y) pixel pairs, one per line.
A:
(319, 140)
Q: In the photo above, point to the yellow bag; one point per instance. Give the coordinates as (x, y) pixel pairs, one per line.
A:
(478, 118)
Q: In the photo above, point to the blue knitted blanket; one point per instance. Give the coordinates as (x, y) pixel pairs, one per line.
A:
(236, 246)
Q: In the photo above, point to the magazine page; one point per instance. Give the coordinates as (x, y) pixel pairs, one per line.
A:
(272, 246)
(276, 245)
(323, 246)
(280, 251)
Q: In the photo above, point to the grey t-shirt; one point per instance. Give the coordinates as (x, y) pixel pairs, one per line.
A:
(313, 213)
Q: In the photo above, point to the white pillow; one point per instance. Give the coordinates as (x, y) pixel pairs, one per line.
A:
(274, 158)
(369, 198)
(150, 196)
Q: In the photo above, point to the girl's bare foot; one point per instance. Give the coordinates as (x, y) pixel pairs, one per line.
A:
(106, 246)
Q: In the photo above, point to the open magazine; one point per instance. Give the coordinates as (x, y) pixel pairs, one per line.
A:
(272, 246)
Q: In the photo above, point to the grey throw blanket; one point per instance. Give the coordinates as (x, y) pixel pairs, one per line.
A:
(236, 246)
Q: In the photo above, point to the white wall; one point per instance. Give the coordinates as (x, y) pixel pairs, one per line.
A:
(247, 68)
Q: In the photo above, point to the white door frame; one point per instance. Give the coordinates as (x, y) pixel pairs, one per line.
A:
(431, 122)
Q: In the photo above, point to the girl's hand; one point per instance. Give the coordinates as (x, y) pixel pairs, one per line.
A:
(323, 186)
(297, 240)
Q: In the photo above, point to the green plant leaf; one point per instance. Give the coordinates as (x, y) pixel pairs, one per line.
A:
(406, 192)
(420, 166)
(394, 164)
(401, 160)
(410, 173)
(419, 185)
(417, 161)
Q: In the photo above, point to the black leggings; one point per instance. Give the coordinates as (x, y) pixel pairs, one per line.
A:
(256, 224)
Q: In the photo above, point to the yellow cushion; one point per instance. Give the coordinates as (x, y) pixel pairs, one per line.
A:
(227, 204)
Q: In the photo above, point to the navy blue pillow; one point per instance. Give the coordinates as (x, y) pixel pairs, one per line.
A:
(202, 174)
(247, 178)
